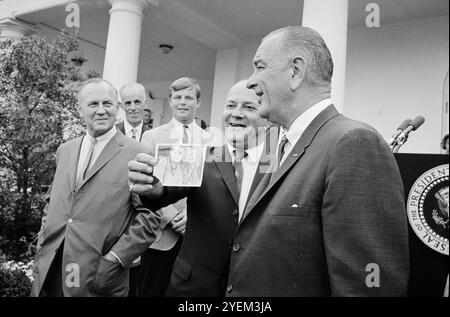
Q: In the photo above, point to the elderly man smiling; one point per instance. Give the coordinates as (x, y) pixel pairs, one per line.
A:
(231, 174)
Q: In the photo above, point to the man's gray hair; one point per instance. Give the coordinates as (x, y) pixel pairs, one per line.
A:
(298, 39)
(95, 80)
(127, 85)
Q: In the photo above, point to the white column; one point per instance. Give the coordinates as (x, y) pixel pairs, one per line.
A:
(224, 77)
(123, 44)
(329, 18)
(13, 29)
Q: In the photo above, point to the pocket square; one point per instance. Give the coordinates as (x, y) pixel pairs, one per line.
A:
(294, 206)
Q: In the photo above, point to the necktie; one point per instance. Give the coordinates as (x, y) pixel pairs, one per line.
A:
(133, 133)
(88, 160)
(281, 148)
(185, 135)
(238, 170)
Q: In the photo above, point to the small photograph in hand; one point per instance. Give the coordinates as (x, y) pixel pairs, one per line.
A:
(180, 165)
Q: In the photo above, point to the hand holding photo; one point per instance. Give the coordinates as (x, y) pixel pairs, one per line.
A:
(180, 164)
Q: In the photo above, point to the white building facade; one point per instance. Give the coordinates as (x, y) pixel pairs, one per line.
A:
(391, 56)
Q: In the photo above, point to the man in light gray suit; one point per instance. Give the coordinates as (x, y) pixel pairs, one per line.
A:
(95, 227)
(157, 261)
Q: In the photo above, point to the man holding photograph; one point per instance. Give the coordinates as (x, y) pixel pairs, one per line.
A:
(157, 261)
(231, 174)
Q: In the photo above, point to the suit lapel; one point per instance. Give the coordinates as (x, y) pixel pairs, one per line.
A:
(270, 179)
(160, 135)
(144, 128)
(198, 135)
(121, 127)
(168, 131)
(256, 181)
(223, 163)
(261, 179)
(73, 165)
(109, 151)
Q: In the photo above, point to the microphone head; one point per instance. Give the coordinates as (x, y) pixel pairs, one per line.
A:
(417, 122)
(404, 124)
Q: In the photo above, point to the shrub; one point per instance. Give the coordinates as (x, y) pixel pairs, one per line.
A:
(38, 84)
(15, 279)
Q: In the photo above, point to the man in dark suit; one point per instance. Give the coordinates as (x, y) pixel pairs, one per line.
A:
(133, 104)
(330, 220)
(214, 208)
(95, 227)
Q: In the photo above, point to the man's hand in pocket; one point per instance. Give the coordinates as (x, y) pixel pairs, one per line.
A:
(108, 278)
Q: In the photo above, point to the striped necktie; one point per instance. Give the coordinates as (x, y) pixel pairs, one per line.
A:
(281, 148)
(238, 169)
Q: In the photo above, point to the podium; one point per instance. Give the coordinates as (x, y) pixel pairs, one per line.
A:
(425, 181)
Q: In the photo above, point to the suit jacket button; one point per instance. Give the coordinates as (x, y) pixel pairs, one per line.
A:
(70, 220)
(235, 212)
(236, 247)
(229, 288)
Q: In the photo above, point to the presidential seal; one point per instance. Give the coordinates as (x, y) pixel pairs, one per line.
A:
(427, 208)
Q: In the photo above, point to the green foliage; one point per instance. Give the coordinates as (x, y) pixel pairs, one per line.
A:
(38, 85)
(14, 283)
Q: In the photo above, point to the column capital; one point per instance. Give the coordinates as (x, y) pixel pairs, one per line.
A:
(132, 6)
(12, 28)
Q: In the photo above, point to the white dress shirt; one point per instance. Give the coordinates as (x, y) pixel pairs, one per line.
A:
(249, 167)
(98, 148)
(179, 130)
(299, 126)
(128, 129)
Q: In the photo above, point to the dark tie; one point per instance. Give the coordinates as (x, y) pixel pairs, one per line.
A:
(281, 148)
(88, 160)
(133, 133)
(238, 170)
(185, 135)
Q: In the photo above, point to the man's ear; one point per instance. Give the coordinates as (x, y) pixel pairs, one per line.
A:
(198, 102)
(298, 72)
(120, 105)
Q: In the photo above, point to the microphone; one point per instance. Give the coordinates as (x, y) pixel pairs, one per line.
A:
(414, 125)
(400, 128)
(403, 136)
